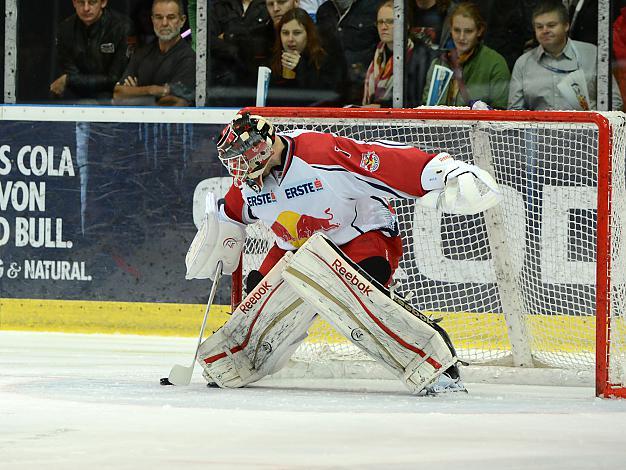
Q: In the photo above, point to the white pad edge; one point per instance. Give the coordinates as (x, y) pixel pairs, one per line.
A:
(216, 240)
(365, 314)
(260, 336)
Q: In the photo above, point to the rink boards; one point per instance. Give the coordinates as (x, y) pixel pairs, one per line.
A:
(170, 319)
(97, 217)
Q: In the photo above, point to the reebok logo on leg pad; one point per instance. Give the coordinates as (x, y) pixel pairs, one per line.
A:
(365, 288)
(254, 297)
(260, 336)
(364, 312)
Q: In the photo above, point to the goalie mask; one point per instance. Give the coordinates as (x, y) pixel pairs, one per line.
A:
(245, 148)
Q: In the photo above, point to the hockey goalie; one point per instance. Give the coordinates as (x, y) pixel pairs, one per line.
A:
(337, 245)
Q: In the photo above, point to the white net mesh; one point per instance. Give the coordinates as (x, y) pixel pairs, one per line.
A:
(516, 286)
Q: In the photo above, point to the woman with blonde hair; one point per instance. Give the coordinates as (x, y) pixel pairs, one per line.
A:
(478, 72)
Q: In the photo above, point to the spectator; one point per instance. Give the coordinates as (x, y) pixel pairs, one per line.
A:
(299, 62)
(583, 19)
(430, 33)
(311, 7)
(275, 9)
(164, 72)
(508, 27)
(478, 72)
(235, 27)
(619, 50)
(583, 15)
(427, 22)
(93, 47)
(352, 22)
(560, 73)
(378, 87)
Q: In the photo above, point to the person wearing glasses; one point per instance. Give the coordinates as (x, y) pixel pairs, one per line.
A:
(164, 72)
(560, 73)
(93, 48)
(378, 86)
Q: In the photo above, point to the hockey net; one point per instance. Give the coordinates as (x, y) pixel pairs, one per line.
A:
(537, 282)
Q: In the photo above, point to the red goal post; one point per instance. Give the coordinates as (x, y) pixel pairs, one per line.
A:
(538, 282)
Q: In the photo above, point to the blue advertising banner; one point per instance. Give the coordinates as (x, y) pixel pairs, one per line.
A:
(101, 210)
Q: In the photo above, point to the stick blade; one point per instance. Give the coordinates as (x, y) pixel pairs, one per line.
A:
(180, 375)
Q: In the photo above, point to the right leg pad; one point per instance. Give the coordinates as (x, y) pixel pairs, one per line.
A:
(408, 343)
(261, 335)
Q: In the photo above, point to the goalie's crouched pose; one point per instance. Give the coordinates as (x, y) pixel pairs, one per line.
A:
(325, 198)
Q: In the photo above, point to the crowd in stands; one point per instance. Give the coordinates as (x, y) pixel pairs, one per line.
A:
(502, 54)
(100, 63)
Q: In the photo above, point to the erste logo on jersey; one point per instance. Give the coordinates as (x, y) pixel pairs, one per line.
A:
(261, 199)
(370, 161)
(304, 188)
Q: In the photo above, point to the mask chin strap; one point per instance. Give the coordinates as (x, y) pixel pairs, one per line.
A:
(254, 180)
(255, 185)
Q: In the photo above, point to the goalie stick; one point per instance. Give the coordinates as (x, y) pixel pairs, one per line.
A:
(181, 375)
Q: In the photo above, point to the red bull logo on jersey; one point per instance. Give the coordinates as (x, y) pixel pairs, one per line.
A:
(297, 228)
(261, 199)
(370, 161)
(304, 188)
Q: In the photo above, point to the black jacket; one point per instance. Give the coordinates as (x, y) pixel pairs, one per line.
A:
(177, 68)
(311, 87)
(357, 34)
(94, 57)
(508, 27)
(234, 37)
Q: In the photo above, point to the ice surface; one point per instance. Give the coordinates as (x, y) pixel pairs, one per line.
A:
(94, 402)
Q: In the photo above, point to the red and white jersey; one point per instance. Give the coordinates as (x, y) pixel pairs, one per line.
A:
(332, 184)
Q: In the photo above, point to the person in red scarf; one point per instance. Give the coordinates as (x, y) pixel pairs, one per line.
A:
(479, 72)
(378, 85)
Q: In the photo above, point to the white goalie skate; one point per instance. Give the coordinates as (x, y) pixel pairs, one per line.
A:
(448, 382)
(406, 342)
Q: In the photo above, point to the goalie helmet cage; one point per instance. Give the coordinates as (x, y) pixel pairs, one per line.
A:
(538, 281)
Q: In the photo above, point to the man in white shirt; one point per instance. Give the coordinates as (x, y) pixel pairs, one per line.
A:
(560, 73)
